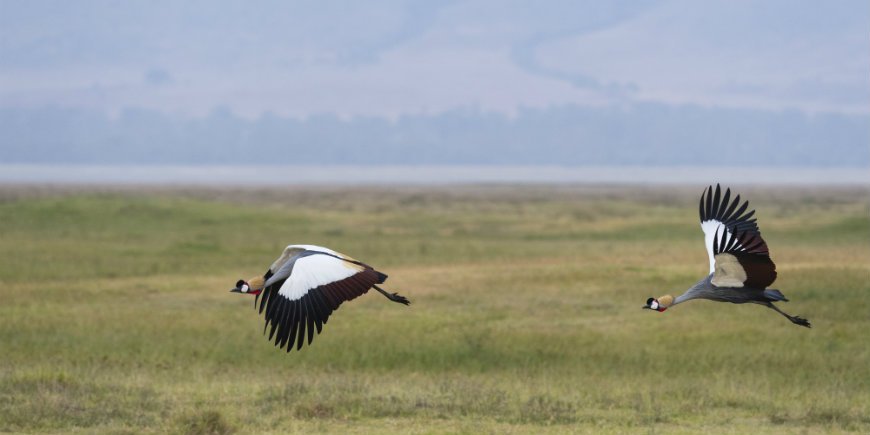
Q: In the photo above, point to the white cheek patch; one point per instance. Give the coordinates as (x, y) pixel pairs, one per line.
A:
(654, 305)
(245, 288)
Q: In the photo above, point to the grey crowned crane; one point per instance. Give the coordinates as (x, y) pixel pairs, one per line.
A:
(304, 286)
(740, 265)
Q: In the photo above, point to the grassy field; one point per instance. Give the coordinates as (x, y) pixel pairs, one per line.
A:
(115, 315)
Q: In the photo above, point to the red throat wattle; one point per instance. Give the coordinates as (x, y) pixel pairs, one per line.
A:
(255, 292)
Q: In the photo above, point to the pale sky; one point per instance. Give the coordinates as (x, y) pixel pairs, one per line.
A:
(388, 58)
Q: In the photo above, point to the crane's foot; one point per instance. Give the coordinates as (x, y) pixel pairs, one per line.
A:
(800, 321)
(395, 297)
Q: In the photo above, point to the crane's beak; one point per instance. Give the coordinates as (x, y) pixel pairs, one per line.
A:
(235, 290)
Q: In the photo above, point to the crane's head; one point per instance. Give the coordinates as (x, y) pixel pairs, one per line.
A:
(252, 286)
(661, 304)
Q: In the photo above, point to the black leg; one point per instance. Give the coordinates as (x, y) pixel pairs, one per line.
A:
(794, 319)
(395, 297)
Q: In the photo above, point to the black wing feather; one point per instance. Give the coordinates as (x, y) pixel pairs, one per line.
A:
(292, 319)
(293, 328)
(311, 318)
(303, 319)
(279, 306)
(715, 206)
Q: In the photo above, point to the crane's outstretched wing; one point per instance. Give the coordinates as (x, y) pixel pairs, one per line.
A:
(742, 261)
(301, 295)
(718, 211)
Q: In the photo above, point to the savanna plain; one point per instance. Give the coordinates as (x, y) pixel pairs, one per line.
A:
(116, 316)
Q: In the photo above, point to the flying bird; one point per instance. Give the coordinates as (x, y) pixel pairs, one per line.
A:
(740, 265)
(304, 286)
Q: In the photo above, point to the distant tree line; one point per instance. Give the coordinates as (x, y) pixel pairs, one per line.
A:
(639, 134)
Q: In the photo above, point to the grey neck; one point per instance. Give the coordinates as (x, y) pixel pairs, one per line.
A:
(695, 291)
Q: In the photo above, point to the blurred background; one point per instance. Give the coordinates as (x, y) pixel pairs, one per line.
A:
(498, 87)
(527, 173)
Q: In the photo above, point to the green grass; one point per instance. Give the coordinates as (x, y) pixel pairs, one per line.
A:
(115, 316)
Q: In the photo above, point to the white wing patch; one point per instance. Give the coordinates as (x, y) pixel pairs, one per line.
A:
(314, 271)
(710, 228)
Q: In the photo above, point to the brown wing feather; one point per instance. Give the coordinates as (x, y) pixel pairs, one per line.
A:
(760, 270)
(743, 258)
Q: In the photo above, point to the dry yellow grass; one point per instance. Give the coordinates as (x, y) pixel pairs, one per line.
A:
(115, 316)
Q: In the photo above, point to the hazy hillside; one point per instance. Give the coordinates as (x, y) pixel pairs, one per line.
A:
(639, 134)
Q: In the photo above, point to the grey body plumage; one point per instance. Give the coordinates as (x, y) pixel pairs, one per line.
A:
(704, 289)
